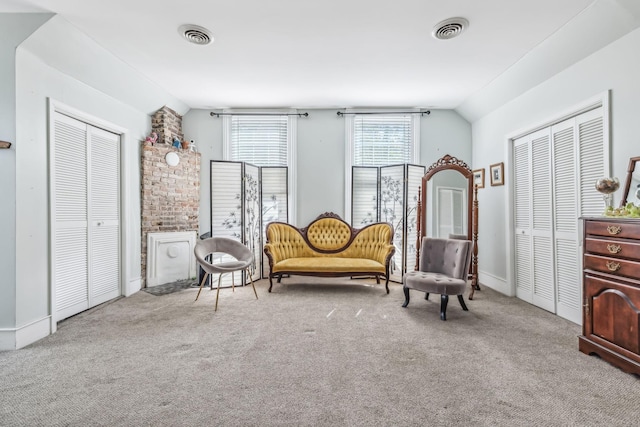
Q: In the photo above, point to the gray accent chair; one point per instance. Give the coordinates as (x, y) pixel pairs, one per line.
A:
(243, 260)
(443, 268)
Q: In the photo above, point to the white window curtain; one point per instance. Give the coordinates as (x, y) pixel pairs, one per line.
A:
(264, 140)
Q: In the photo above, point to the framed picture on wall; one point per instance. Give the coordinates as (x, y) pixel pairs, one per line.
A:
(478, 177)
(497, 173)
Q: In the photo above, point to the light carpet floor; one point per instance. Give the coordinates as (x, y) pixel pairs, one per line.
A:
(315, 352)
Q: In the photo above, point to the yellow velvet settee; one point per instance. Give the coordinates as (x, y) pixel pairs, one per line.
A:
(329, 247)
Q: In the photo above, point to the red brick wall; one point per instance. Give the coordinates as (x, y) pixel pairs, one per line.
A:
(170, 195)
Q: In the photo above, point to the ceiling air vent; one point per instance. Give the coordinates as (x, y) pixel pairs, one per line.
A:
(195, 34)
(450, 28)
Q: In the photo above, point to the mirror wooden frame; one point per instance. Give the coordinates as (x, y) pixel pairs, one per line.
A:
(448, 162)
(627, 185)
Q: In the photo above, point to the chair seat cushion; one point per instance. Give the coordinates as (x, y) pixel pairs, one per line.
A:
(435, 283)
(326, 264)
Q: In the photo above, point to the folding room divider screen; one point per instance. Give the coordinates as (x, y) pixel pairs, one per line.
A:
(244, 199)
(389, 194)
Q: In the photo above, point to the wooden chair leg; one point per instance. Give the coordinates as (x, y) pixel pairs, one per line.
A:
(426, 295)
(464, 306)
(251, 279)
(406, 296)
(218, 291)
(204, 279)
(444, 300)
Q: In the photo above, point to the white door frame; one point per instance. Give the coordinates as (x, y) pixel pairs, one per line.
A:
(125, 180)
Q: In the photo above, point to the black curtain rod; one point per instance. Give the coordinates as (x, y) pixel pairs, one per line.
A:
(259, 114)
(422, 113)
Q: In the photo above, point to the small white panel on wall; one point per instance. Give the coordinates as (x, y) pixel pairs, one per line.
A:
(170, 257)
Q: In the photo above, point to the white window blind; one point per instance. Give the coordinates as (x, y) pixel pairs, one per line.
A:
(380, 140)
(260, 140)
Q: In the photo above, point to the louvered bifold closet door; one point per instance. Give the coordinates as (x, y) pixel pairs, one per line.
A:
(565, 202)
(593, 159)
(364, 195)
(69, 206)
(542, 221)
(414, 181)
(275, 202)
(391, 201)
(252, 223)
(226, 205)
(522, 194)
(104, 215)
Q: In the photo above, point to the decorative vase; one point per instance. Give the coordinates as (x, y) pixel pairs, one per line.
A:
(607, 186)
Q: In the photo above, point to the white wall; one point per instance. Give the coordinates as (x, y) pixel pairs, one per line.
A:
(321, 154)
(616, 68)
(15, 28)
(90, 80)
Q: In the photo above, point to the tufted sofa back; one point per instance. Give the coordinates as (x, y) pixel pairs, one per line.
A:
(329, 236)
(450, 257)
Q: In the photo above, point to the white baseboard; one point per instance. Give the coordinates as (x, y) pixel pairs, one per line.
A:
(14, 339)
(133, 286)
(496, 283)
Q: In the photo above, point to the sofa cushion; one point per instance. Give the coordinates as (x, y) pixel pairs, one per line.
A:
(328, 264)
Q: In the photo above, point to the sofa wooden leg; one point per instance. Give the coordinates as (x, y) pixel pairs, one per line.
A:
(444, 299)
(270, 282)
(386, 284)
(464, 306)
(280, 278)
(406, 296)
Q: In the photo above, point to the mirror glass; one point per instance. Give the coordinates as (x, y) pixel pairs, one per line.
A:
(632, 186)
(446, 208)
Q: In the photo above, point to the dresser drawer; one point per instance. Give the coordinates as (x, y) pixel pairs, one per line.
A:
(626, 229)
(618, 267)
(613, 248)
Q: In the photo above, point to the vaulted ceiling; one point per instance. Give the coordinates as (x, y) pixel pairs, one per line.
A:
(347, 53)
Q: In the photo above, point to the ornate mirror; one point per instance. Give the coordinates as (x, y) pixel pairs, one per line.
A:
(632, 186)
(448, 207)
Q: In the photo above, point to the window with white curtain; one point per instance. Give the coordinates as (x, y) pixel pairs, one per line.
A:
(379, 139)
(263, 140)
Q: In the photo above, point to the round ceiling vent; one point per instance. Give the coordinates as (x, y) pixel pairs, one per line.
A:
(195, 34)
(450, 28)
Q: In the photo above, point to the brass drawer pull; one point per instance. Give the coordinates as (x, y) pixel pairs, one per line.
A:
(614, 229)
(614, 249)
(613, 266)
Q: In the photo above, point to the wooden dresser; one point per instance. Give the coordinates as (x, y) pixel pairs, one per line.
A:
(611, 291)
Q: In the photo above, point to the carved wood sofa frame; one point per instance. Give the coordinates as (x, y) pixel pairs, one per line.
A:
(329, 247)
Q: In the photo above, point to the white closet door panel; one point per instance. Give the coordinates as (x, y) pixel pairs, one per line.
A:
(524, 274)
(592, 161)
(564, 178)
(568, 280)
(541, 182)
(543, 273)
(69, 217)
(522, 190)
(69, 169)
(104, 215)
(105, 264)
(70, 274)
